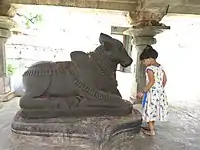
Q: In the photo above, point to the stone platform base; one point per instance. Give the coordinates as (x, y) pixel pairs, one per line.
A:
(91, 133)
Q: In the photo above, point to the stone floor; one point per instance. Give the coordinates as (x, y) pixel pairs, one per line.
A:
(181, 132)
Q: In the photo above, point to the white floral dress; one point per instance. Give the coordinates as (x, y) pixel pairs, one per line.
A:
(155, 105)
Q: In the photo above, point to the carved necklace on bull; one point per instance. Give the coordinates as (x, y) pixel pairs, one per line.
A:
(106, 69)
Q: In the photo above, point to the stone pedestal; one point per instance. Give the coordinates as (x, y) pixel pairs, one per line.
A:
(141, 37)
(78, 133)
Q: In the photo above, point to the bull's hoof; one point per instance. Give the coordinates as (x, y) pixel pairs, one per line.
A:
(91, 133)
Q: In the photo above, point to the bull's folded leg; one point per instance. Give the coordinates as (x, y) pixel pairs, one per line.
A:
(71, 106)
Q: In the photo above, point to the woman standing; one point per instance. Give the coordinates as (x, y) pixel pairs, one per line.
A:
(155, 105)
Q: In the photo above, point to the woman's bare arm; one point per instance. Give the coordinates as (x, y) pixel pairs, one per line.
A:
(164, 79)
(151, 80)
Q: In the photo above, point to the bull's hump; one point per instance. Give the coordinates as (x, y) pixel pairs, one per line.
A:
(79, 57)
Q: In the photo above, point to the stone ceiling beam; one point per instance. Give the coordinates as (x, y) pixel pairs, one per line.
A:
(185, 9)
(121, 5)
(6, 9)
(175, 6)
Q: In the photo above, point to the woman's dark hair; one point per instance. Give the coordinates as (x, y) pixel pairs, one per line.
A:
(148, 52)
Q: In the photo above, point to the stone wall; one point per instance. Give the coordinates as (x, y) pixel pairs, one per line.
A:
(22, 56)
(179, 53)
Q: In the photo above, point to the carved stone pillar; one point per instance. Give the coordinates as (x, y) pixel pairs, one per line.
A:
(4, 80)
(141, 37)
(6, 24)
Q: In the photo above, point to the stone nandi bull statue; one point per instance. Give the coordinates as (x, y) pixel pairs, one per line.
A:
(84, 86)
(75, 104)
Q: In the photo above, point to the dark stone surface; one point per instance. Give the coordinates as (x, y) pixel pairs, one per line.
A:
(85, 86)
(91, 133)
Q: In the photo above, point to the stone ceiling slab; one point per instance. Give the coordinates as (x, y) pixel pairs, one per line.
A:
(123, 5)
(175, 6)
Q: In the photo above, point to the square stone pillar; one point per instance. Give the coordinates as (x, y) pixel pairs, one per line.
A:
(139, 44)
(4, 80)
(142, 36)
(5, 25)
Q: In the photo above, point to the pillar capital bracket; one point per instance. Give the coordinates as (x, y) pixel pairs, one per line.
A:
(146, 31)
(8, 9)
(6, 24)
(145, 35)
(5, 33)
(147, 17)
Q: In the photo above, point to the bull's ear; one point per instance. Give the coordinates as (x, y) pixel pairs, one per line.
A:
(104, 38)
